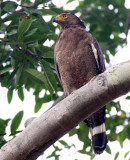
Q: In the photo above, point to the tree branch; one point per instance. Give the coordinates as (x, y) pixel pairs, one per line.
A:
(22, 9)
(17, 12)
(113, 44)
(127, 24)
(29, 120)
(64, 116)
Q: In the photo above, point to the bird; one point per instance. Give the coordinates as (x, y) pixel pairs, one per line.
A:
(78, 59)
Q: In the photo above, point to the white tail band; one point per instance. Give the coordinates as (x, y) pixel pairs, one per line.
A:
(98, 129)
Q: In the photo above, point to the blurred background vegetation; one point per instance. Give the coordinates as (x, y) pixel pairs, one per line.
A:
(27, 62)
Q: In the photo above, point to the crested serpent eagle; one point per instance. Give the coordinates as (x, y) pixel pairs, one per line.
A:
(78, 58)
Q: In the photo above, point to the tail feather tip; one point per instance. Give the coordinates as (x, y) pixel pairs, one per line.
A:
(99, 142)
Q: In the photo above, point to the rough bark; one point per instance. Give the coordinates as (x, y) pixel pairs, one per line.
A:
(64, 116)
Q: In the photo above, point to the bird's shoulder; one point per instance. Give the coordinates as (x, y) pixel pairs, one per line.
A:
(73, 32)
(72, 37)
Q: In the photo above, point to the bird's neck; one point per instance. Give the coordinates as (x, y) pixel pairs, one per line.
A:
(71, 26)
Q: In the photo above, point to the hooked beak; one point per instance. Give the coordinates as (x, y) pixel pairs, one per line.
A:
(55, 19)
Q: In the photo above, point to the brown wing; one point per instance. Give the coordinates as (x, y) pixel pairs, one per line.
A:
(96, 122)
(57, 69)
(101, 62)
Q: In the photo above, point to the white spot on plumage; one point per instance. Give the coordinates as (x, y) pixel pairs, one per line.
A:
(95, 53)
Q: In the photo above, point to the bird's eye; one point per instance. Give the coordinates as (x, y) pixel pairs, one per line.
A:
(65, 16)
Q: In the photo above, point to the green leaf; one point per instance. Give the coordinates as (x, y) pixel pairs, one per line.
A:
(49, 74)
(49, 87)
(20, 93)
(37, 2)
(48, 12)
(8, 18)
(33, 37)
(41, 24)
(9, 6)
(92, 156)
(65, 144)
(16, 122)
(36, 74)
(40, 101)
(39, 77)
(5, 70)
(50, 60)
(57, 10)
(38, 105)
(24, 24)
(4, 57)
(128, 97)
(2, 127)
(83, 132)
(125, 134)
(126, 154)
(18, 75)
(116, 155)
(70, 1)
(108, 150)
(12, 32)
(73, 132)
(82, 151)
(31, 32)
(10, 95)
(11, 77)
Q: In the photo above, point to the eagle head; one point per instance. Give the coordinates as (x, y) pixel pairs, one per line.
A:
(67, 19)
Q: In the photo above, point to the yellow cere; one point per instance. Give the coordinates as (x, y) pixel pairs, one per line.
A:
(62, 17)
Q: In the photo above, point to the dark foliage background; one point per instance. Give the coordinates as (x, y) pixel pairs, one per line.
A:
(25, 62)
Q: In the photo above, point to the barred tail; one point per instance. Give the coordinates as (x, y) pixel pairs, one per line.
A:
(99, 138)
(96, 124)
